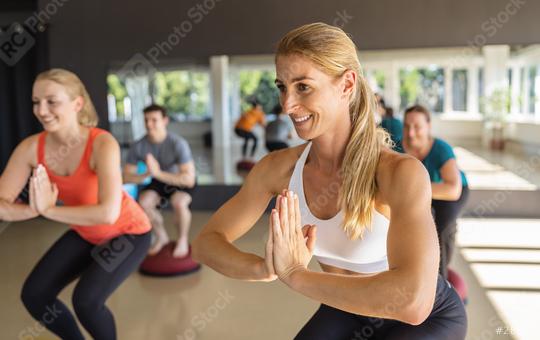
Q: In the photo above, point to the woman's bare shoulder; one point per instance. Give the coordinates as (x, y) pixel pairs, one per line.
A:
(277, 167)
(30, 141)
(105, 140)
(396, 168)
(27, 149)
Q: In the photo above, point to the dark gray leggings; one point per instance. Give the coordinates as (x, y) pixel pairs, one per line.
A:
(100, 269)
(445, 214)
(447, 321)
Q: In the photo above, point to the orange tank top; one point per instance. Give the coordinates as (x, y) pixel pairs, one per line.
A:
(81, 188)
(249, 119)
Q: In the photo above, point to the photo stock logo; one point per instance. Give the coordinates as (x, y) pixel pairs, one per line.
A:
(342, 18)
(142, 65)
(200, 321)
(35, 331)
(14, 43)
(111, 254)
(138, 66)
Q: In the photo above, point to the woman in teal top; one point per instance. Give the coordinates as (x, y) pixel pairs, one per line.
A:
(393, 125)
(448, 184)
(440, 153)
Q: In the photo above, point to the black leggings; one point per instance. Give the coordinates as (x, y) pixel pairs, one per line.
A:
(446, 214)
(247, 135)
(447, 320)
(101, 270)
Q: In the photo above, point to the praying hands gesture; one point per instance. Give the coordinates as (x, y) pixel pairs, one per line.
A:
(152, 165)
(289, 247)
(43, 193)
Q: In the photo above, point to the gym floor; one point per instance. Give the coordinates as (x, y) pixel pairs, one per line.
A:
(498, 258)
(207, 305)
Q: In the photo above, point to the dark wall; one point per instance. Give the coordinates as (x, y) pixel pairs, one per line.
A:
(19, 65)
(87, 36)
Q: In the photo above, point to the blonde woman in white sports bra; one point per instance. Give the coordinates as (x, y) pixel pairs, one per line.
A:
(344, 197)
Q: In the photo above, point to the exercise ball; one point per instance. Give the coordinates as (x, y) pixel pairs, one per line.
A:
(459, 284)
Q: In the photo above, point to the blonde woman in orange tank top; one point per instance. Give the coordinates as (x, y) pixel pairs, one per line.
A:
(78, 164)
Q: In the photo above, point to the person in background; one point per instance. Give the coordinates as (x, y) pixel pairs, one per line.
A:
(380, 110)
(279, 131)
(393, 125)
(244, 127)
(449, 185)
(387, 121)
(169, 162)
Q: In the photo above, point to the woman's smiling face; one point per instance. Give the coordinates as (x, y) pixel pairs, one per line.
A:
(53, 106)
(314, 100)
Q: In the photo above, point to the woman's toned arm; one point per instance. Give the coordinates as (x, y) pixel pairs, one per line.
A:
(12, 212)
(107, 210)
(406, 291)
(213, 246)
(13, 180)
(450, 187)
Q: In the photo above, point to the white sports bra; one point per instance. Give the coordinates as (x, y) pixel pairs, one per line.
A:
(333, 247)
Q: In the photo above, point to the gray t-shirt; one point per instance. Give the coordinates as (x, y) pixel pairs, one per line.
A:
(172, 151)
(279, 129)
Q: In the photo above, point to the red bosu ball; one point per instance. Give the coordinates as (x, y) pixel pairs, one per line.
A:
(244, 165)
(164, 264)
(459, 284)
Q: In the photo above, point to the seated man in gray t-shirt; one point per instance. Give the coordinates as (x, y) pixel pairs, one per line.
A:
(170, 164)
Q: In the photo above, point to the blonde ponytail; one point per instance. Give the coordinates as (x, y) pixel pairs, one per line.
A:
(334, 52)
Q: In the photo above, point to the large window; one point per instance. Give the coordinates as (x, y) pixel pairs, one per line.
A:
(459, 90)
(117, 99)
(423, 86)
(376, 79)
(522, 93)
(184, 93)
(259, 85)
(481, 90)
(534, 83)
